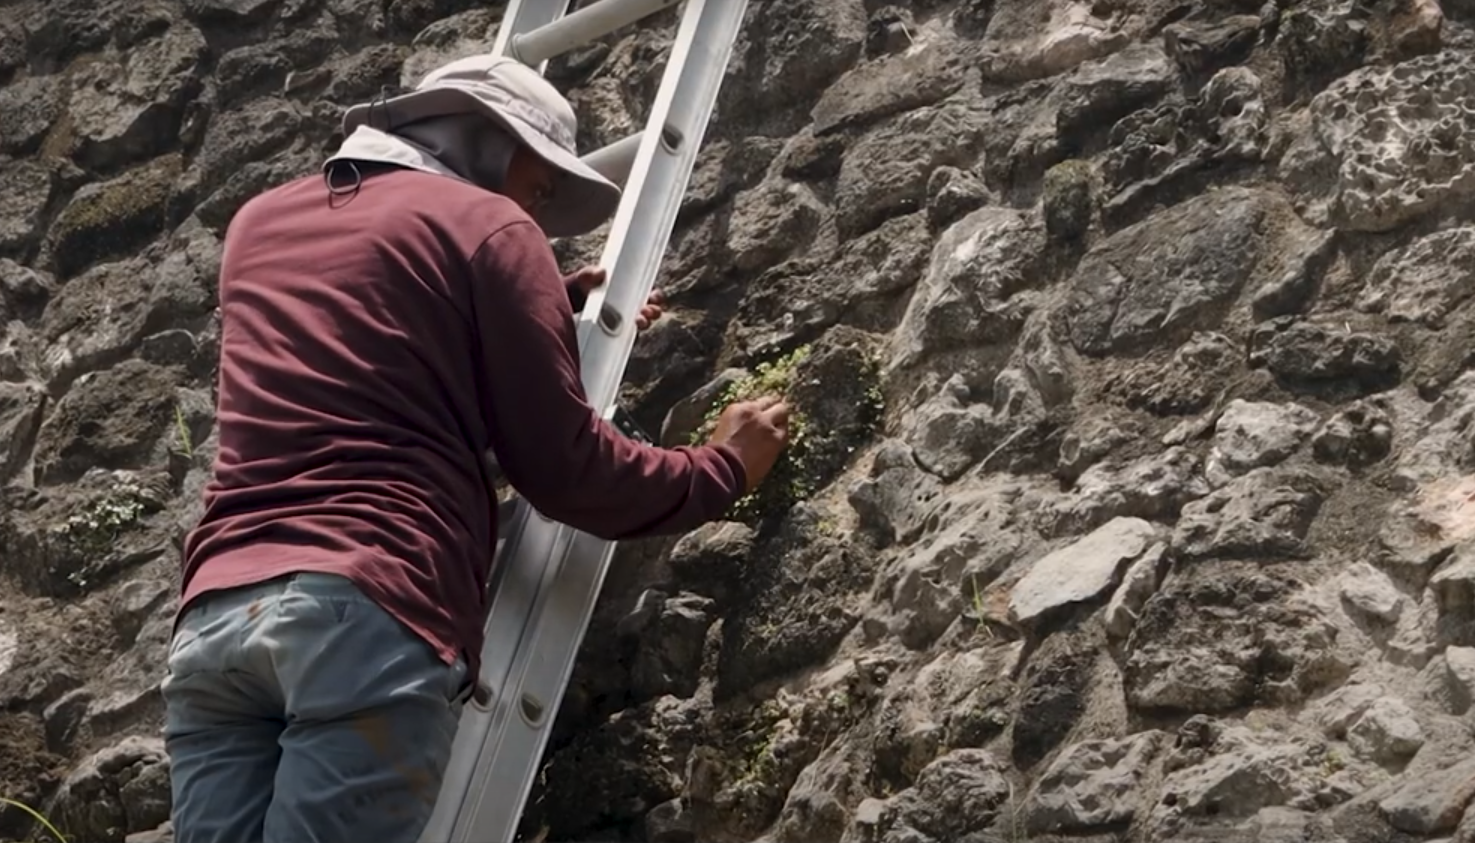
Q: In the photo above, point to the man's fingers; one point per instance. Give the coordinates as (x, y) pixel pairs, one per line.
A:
(657, 297)
(778, 415)
(764, 403)
(589, 277)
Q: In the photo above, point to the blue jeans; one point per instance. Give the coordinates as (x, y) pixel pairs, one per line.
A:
(298, 711)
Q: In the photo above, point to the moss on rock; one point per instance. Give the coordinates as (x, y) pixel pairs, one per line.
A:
(833, 389)
(1068, 200)
(114, 218)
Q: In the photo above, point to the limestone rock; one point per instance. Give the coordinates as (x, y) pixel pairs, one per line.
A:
(1413, 106)
(1214, 643)
(129, 107)
(975, 287)
(1387, 731)
(119, 790)
(1424, 281)
(1431, 802)
(1169, 274)
(1080, 572)
(1252, 434)
(1091, 785)
(885, 173)
(1265, 513)
(25, 191)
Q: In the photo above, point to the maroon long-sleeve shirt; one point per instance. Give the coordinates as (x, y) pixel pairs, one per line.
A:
(373, 348)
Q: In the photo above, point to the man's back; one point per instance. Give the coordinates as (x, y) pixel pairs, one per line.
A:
(350, 412)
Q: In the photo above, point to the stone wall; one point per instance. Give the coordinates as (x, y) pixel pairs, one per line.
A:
(1164, 530)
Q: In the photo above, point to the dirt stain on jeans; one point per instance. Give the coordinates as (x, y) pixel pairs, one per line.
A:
(376, 731)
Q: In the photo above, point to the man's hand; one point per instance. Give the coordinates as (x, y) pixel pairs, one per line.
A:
(758, 431)
(587, 279)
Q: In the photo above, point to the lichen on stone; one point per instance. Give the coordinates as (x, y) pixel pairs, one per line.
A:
(820, 438)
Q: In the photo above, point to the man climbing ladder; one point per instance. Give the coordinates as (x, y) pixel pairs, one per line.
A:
(384, 324)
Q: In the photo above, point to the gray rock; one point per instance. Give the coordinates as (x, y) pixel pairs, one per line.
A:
(119, 790)
(31, 106)
(1356, 436)
(1431, 801)
(21, 410)
(958, 794)
(886, 172)
(970, 547)
(1240, 775)
(670, 634)
(9, 647)
(948, 434)
(1424, 281)
(1361, 117)
(1335, 713)
(1386, 732)
(1138, 585)
(1215, 643)
(1203, 47)
(1092, 784)
(131, 106)
(25, 191)
(1371, 594)
(771, 222)
(975, 289)
(1266, 513)
(1080, 572)
(1169, 275)
(1459, 662)
(1252, 434)
(1235, 97)
(875, 91)
(896, 498)
(1155, 487)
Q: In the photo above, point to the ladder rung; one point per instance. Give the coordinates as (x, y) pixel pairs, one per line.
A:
(615, 161)
(579, 28)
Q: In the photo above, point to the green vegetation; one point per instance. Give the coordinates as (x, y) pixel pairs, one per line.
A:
(115, 217)
(57, 836)
(835, 405)
(790, 481)
(181, 429)
(78, 544)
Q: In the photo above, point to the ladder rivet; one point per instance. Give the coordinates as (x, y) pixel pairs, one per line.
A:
(610, 319)
(671, 139)
(532, 709)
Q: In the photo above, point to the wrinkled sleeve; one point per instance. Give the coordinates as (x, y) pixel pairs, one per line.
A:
(551, 444)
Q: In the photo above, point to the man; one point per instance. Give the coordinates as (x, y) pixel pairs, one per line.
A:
(383, 327)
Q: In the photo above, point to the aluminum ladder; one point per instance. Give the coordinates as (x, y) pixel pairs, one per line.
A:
(547, 576)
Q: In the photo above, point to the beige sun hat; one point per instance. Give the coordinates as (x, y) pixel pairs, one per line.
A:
(515, 97)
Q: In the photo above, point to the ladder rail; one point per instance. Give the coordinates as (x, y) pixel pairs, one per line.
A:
(549, 576)
(575, 29)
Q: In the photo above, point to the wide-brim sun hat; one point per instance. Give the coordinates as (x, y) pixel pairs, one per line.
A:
(525, 104)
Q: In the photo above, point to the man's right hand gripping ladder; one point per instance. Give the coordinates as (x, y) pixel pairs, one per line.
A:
(547, 576)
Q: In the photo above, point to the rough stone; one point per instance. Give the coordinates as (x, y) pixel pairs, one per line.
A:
(1171, 274)
(1253, 434)
(1080, 572)
(1093, 784)
(1387, 731)
(1424, 281)
(1267, 512)
(1199, 274)
(1431, 802)
(977, 287)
